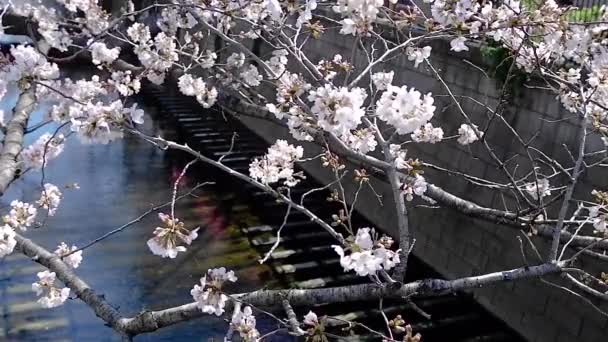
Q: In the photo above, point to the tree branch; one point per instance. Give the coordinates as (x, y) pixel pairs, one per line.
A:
(13, 141)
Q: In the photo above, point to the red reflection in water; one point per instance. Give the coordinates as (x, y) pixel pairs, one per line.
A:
(204, 207)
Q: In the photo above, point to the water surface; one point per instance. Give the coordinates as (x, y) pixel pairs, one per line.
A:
(117, 183)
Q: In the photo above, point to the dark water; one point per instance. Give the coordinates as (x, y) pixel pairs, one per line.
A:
(117, 183)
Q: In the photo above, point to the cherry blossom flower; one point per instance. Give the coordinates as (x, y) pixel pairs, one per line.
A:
(383, 79)
(50, 198)
(236, 60)
(541, 186)
(27, 62)
(277, 164)
(244, 323)
(467, 134)
(73, 260)
(428, 133)
(338, 110)
(136, 114)
(418, 55)
(40, 152)
(21, 216)
(103, 123)
(367, 257)
(208, 59)
(208, 295)
(362, 140)
(360, 14)
(139, 33)
(311, 318)
(195, 86)
(50, 296)
(251, 76)
(458, 44)
(167, 237)
(406, 110)
(7, 240)
(415, 186)
(599, 219)
(125, 83)
(101, 54)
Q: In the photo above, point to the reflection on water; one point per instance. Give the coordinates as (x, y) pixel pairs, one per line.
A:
(117, 183)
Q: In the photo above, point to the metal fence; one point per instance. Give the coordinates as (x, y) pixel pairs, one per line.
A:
(585, 10)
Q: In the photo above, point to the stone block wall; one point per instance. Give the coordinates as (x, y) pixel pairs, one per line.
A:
(454, 244)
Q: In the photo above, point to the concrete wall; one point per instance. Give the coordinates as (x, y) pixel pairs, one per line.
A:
(452, 243)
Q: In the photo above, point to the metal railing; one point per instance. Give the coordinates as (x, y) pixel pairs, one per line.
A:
(586, 10)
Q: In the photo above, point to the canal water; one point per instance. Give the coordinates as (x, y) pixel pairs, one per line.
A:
(118, 182)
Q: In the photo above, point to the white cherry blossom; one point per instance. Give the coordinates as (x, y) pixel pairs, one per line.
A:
(42, 151)
(406, 110)
(101, 54)
(277, 164)
(338, 109)
(50, 296)
(244, 323)
(50, 198)
(428, 133)
(467, 134)
(311, 318)
(383, 79)
(208, 295)
(7, 240)
(418, 55)
(541, 186)
(21, 216)
(458, 44)
(367, 257)
(73, 260)
(168, 237)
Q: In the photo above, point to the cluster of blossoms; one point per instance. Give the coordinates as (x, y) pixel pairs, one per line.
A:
(337, 109)
(50, 22)
(91, 117)
(277, 63)
(362, 140)
(415, 184)
(50, 296)
(7, 240)
(367, 256)
(101, 123)
(167, 237)
(70, 255)
(21, 216)
(277, 164)
(173, 18)
(41, 151)
(468, 134)
(156, 55)
(540, 187)
(418, 55)
(125, 83)
(50, 198)
(406, 110)
(29, 64)
(315, 327)
(101, 54)
(244, 323)
(383, 79)
(195, 86)
(598, 214)
(428, 133)
(208, 295)
(360, 14)
(599, 217)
